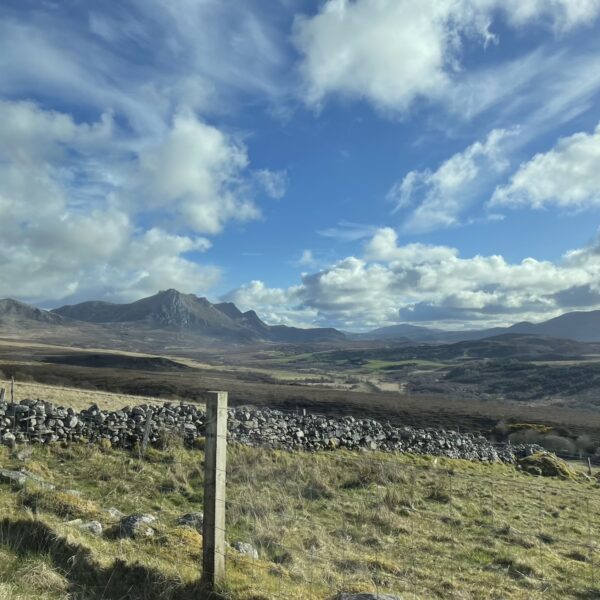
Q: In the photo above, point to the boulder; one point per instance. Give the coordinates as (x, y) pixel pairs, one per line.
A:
(136, 526)
(545, 464)
(194, 520)
(93, 527)
(246, 549)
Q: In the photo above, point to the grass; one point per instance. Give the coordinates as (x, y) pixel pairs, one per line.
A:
(75, 397)
(376, 364)
(322, 523)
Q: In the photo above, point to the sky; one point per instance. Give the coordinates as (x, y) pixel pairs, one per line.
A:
(346, 163)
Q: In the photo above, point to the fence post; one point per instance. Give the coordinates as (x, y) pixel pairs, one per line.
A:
(12, 390)
(215, 457)
(1, 394)
(147, 430)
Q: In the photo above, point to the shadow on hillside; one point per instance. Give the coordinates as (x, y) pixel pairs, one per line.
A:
(87, 578)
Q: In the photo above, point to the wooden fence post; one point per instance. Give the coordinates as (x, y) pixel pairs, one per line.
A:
(12, 390)
(1, 394)
(147, 430)
(215, 462)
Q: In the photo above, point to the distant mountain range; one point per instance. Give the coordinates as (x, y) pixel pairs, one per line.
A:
(169, 310)
(579, 326)
(189, 315)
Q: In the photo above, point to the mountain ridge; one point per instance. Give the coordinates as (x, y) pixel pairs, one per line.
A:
(187, 312)
(580, 326)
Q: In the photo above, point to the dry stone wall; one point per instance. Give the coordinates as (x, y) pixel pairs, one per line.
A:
(36, 421)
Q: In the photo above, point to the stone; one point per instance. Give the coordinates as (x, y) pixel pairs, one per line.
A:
(94, 527)
(194, 520)
(114, 513)
(9, 439)
(246, 549)
(247, 425)
(136, 526)
(13, 478)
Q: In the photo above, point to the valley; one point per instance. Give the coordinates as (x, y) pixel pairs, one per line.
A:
(177, 346)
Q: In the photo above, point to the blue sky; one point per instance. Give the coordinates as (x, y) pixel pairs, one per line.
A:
(353, 163)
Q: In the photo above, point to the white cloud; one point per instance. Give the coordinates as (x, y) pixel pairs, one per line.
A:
(346, 231)
(568, 176)
(386, 52)
(209, 54)
(274, 183)
(562, 15)
(84, 212)
(393, 52)
(307, 259)
(435, 285)
(197, 172)
(441, 196)
(256, 293)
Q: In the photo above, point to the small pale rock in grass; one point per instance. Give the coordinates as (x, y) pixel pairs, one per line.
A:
(115, 513)
(137, 526)
(246, 549)
(94, 527)
(13, 477)
(194, 520)
(9, 439)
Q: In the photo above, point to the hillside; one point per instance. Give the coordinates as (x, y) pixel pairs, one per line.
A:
(19, 314)
(312, 525)
(180, 319)
(581, 326)
(505, 346)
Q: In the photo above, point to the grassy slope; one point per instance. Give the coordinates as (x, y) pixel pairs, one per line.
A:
(322, 523)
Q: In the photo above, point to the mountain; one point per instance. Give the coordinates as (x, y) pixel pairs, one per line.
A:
(404, 331)
(582, 326)
(14, 313)
(168, 308)
(188, 313)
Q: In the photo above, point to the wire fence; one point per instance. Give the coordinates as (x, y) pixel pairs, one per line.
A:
(309, 525)
(369, 523)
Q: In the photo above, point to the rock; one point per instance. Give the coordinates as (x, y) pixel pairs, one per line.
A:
(136, 526)
(94, 527)
(115, 513)
(547, 465)
(23, 478)
(246, 549)
(9, 439)
(13, 478)
(247, 425)
(194, 520)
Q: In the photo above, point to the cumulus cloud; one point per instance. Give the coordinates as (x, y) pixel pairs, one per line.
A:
(568, 176)
(74, 218)
(441, 196)
(393, 282)
(393, 52)
(197, 172)
(113, 194)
